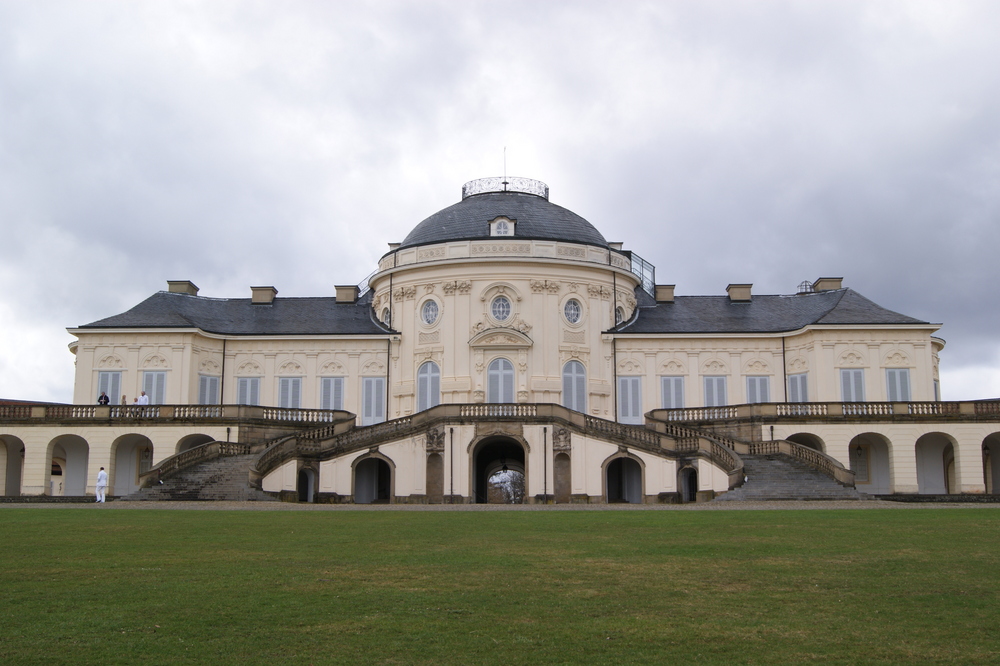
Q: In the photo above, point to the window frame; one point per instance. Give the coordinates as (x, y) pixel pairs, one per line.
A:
(669, 397)
(630, 399)
(428, 386)
(154, 383)
(208, 389)
(292, 397)
(757, 385)
(856, 384)
(719, 382)
(372, 400)
(574, 376)
(798, 387)
(505, 381)
(249, 387)
(331, 393)
(897, 385)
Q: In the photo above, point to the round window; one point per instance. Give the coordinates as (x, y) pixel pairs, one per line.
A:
(572, 310)
(500, 308)
(429, 313)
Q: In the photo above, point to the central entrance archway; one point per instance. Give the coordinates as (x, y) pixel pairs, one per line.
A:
(499, 472)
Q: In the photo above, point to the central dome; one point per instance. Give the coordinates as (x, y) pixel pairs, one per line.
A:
(520, 199)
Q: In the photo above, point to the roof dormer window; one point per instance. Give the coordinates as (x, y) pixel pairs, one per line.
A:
(502, 226)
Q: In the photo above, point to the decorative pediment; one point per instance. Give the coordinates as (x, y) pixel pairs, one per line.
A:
(373, 367)
(630, 366)
(756, 366)
(673, 367)
(852, 358)
(896, 359)
(332, 368)
(111, 361)
(251, 368)
(715, 366)
(210, 367)
(155, 361)
(495, 338)
(515, 323)
(290, 368)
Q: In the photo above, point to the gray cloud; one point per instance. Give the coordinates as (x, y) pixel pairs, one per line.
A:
(237, 143)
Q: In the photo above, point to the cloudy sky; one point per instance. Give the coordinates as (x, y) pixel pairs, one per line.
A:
(239, 143)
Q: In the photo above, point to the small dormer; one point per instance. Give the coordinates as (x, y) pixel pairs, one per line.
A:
(502, 226)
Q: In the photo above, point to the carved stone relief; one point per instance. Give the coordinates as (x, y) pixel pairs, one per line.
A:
(155, 361)
(110, 361)
(249, 368)
(435, 440)
(852, 358)
(290, 368)
(210, 367)
(561, 442)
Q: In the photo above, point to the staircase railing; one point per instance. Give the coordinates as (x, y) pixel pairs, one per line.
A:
(330, 441)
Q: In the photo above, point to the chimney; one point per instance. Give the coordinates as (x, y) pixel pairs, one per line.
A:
(828, 283)
(739, 293)
(394, 246)
(616, 246)
(182, 287)
(664, 293)
(347, 293)
(262, 295)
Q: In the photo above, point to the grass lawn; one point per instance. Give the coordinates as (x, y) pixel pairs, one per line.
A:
(93, 586)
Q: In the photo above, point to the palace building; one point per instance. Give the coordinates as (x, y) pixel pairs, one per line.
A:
(505, 345)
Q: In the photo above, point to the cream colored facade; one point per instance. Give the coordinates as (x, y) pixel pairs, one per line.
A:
(518, 315)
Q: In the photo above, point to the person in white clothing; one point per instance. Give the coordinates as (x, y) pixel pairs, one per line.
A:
(143, 398)
(102, 484)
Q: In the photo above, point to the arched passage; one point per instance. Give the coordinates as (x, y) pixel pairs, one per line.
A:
(190, 441)
(131, 455)
(71, 453)
(623, 480)
(935, 452)
(808, 439)
(499, 474)
(991, 463)
(372, 481)
(12, 452)
(687, 484)
(869, 460)
(306, 485)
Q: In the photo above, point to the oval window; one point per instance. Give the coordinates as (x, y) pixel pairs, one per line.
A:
(429, 313)
(572, 311)
(500, 308)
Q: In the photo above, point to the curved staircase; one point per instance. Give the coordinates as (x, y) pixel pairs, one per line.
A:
(776, 476)
(218, 479)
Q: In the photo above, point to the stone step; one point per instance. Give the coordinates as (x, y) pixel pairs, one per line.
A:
(221, 479)
(780, 477)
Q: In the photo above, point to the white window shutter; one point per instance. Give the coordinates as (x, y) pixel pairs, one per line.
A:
(338, 393)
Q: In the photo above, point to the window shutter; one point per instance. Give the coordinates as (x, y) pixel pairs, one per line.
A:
(338, 393)
(149, 385)
(797, 388)
(493, 383)
(435, 387)
(752, 389)
(110, 383)
(296, 392)
(852, 383)
(898, 384)
(859, 386)
(161, 387)
(202, 390)
(379, 409)
(630, 399)
(243, 391)
(283, 392)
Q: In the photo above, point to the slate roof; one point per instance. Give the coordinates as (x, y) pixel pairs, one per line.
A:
(238, 316)
(763, 314)
(537, 218)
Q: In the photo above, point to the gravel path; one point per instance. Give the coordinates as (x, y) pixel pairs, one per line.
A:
(704, 506)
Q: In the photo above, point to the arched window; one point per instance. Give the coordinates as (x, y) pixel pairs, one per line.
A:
(428, 386)
(500, 381)
(385, 316)
(575, 386)
(619, 315)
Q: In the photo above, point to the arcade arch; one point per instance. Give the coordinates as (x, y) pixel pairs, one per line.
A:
(190, 441)
(71, 453)
(991, 463)
(12, 452)
(869, 460)
(935, 453)
(808, 439)
(131, 455)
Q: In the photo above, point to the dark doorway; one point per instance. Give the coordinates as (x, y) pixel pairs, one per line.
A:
(306, 485)
(500, 461)
(624, 481)
(689, 484)
(372, 481)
